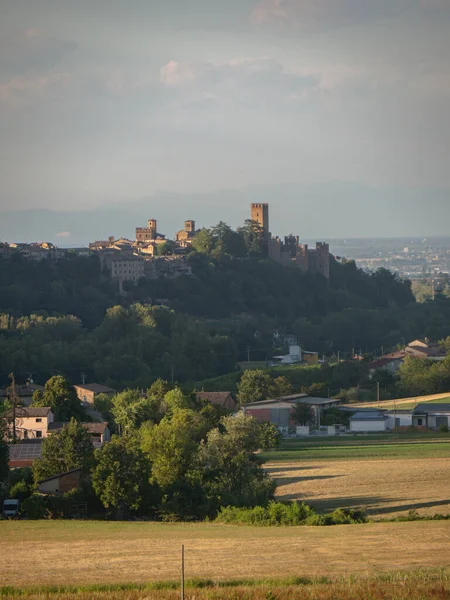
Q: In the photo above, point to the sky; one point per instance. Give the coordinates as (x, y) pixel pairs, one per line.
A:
(107, 101)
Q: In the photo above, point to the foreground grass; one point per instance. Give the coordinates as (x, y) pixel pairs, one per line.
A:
(415, 585)
(69, 553)
(376, 449)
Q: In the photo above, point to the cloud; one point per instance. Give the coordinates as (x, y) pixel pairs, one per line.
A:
(175, 74)
(318, 14)
(30, 51)
(245, 80)
(20, 90)
(63, 234)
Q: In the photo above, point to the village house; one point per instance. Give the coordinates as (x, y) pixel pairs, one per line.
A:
(222, 399)
(431, 415)
(368, 421)
(88, 392)
(99, 432)
(23, 453)
(24, 393)
(31, 422)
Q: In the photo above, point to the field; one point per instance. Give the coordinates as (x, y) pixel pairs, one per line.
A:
(86, 553)
(387, 476)
(403, 403)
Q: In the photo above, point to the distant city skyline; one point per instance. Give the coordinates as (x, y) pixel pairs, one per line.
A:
(105, 102)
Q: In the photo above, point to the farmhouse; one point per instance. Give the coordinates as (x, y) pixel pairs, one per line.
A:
(24, 392)
(279, 410)
(23, 453)
(31, 423)
(366, 421)
(87, 392)
(99, 432)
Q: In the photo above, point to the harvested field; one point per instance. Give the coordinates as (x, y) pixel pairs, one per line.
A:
(386, 487)
(83, 553)
(403, 403)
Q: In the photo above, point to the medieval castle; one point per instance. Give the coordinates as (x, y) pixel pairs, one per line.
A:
(290, 251)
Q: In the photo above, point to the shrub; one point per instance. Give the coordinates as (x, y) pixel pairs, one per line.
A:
(20, 491)
(288, 514)
(35, 507)
(443, 428)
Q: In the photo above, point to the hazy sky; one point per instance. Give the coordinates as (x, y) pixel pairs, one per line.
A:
(113, 99)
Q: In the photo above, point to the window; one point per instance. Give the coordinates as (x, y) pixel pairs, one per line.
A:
(419, 422)
(39, 420)
(38, 434)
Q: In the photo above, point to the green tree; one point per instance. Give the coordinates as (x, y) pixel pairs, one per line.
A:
(255, 238)
(121, 477)
(70, 448)
(281, 387)
(254, 386)
(229, 471)
(302, 414)
(4, 452)
(204, 242)
(130, 409)
(227, 241)
(61, 397)
(269, 437)
(175, 400)
(171, 445)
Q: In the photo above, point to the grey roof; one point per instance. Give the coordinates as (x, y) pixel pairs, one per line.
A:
(25, 450)
(31, 411)
(290, 401)
(368, 416)
(25, 390)
(429, 407)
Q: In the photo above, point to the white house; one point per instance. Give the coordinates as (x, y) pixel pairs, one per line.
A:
(370, 421)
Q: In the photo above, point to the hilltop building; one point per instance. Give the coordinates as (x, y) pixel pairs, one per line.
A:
(185, 236)
(290, 251)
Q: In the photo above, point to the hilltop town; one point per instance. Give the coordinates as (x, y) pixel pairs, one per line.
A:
(152, 254)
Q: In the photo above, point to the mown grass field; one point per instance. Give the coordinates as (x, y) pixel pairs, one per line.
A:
(414, 585)
(62, 553)
(387, 476)
(404, 403)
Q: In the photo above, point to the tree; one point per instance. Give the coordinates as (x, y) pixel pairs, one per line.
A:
(171, 444)
(121, 477)
(255, 238)
(4, 452)
(302, 414)
(227, 241)
(175, 400)
(130, 409)
(61, 397)
(204, 242)
(254, 386)
(269, 437)
(70, 448)
(281, 387)
(229, 471)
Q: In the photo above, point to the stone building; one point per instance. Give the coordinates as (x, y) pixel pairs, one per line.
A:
(290, 251)
(185, 236)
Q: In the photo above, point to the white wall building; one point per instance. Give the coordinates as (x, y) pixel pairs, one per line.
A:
(365, 422)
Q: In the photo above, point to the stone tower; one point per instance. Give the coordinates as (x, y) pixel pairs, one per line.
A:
(260, 214)
(152, 226)
(323, 259)
(189, 226)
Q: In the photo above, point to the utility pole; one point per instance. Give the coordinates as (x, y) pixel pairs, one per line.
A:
(395, 419)
(339, 356)
(433, 290)
(83, 378)
(173, 373)
(13, 397)
(378, 393)
(248, 353)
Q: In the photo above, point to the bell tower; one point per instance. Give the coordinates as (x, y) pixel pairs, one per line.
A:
(260, 214)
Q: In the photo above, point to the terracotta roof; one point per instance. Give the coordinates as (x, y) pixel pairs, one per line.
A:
(31, 411)
(97, 388)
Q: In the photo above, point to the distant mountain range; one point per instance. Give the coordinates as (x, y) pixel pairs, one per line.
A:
(318, 211)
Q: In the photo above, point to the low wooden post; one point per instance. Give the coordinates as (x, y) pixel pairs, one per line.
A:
(182, 572)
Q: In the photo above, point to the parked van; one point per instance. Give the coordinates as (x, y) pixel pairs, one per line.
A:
(11, 509)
